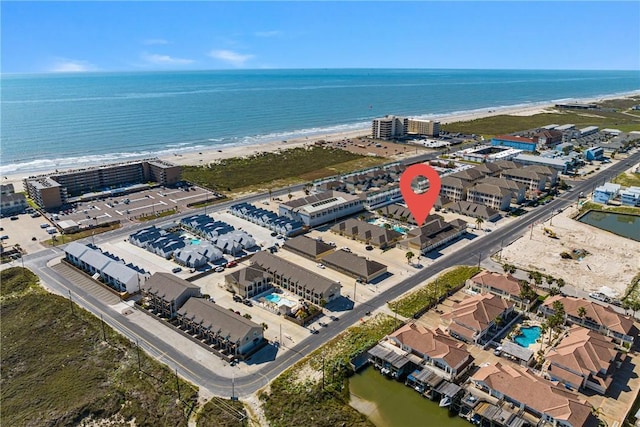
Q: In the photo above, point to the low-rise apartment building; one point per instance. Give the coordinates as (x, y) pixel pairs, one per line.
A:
(321, 208)
(474, 318)
(302, 282)
(355, 266)
(307, 247)
(368, 233)
(605, 193)
(226, 331)
(533, 181)
(490, 195)
(436, 232)
(166, 293)
(599, 318)
(445, 356)
(249, 281)
(502, 285)
(552, 403)
(583, 359)
(10, 202)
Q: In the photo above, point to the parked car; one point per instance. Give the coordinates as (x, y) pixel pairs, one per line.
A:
(346, 249)
(247, 303)
(320, 265)
(44, 225)
(13, 218)
(232, 264)
(219, 269)
(274, 234)
(369, 247)
(334, 318)
(176, 270)
(5, 237)
(237, 298)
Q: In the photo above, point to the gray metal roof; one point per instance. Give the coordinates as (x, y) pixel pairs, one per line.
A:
(119, 271)
(76, 249)
(352, 263)
(224, 322)
(167, 286)
(517, 351)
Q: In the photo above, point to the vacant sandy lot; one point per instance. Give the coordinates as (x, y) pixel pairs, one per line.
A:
(613, 260)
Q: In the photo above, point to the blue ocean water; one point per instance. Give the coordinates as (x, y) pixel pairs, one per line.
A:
(66, 120)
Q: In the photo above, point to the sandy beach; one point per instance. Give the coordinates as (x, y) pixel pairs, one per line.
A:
(211, 155)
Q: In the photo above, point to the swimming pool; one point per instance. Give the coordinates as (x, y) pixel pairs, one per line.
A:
(195, 241)
(528, 336)
(279, 300)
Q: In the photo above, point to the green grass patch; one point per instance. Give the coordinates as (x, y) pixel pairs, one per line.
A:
(586, 206)
(16, 280)
(293, 165)
(222, 413)
(297, 397)
(496, 125)
(425, 296)
(627, 179)
(57, 369)
(157, 215)
(70, 237)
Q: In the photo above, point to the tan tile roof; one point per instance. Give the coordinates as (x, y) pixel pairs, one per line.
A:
(600, 314)
(478, 311)
(433, 343)
(307, 246)
(584, 351)
(537, 393)
(504, 282)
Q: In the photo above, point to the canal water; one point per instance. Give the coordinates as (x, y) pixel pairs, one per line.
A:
(621, 224)
(389, 403)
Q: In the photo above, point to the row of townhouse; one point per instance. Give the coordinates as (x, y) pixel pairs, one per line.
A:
(436, 232)
(600, 318)
(497, 184)
(175, 298)
(267, 219)
(224, 236)
(267, 270)
(114, 273)
(157, 241)
(550, 402)
(609, 191)
(476, 319)
(370, 234)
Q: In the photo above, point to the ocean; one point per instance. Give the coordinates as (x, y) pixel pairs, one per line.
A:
(58, 121)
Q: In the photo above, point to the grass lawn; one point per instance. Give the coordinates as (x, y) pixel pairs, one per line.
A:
(276, 169)
(414, 302)
(496, 125)
(70, 237)
(627, 179)
(58, 370)
(298, 398)
(618, 209)
(222, 413)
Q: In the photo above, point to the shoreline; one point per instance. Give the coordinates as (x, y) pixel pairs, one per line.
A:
(208, 155)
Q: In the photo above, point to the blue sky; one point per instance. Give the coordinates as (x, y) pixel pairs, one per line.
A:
(139, 36)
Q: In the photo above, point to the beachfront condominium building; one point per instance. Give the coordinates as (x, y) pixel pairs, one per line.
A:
(318, 209)
(389, 127)
(54, 190)
(423, 127)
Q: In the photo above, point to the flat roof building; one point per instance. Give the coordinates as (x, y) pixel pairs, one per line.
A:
(321, 208)
(54, 190)
(355, 266)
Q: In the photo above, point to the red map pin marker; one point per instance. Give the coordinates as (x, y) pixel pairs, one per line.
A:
(420, 204)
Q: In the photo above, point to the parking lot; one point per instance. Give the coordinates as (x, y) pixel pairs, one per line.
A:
(132, 206)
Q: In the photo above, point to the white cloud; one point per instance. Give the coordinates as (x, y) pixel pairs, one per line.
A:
(274, 33)
(234, 58)
(156, 59)
(155, 41)
(71, 66)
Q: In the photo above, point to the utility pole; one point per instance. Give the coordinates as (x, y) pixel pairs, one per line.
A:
(281, 343)
(104, 331)
(177, 383)
(531, 235)
(501, 246)
(138, 351)
(233, 385)
(479, 258)
(323, 372)
(354, 290)
(71, 302)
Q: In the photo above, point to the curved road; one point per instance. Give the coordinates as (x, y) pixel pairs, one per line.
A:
(204, 377)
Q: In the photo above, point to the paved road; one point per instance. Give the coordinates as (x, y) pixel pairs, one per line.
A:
(203, 376)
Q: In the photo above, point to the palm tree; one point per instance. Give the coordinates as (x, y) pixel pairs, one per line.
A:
(582, 312)
(409, 255)
(560, 282)
(290, 196)
(479, 222)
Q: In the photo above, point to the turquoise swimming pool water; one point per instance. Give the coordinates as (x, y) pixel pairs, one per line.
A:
(399, 229)
(274, 298)
(195, 241)
(528, 336)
